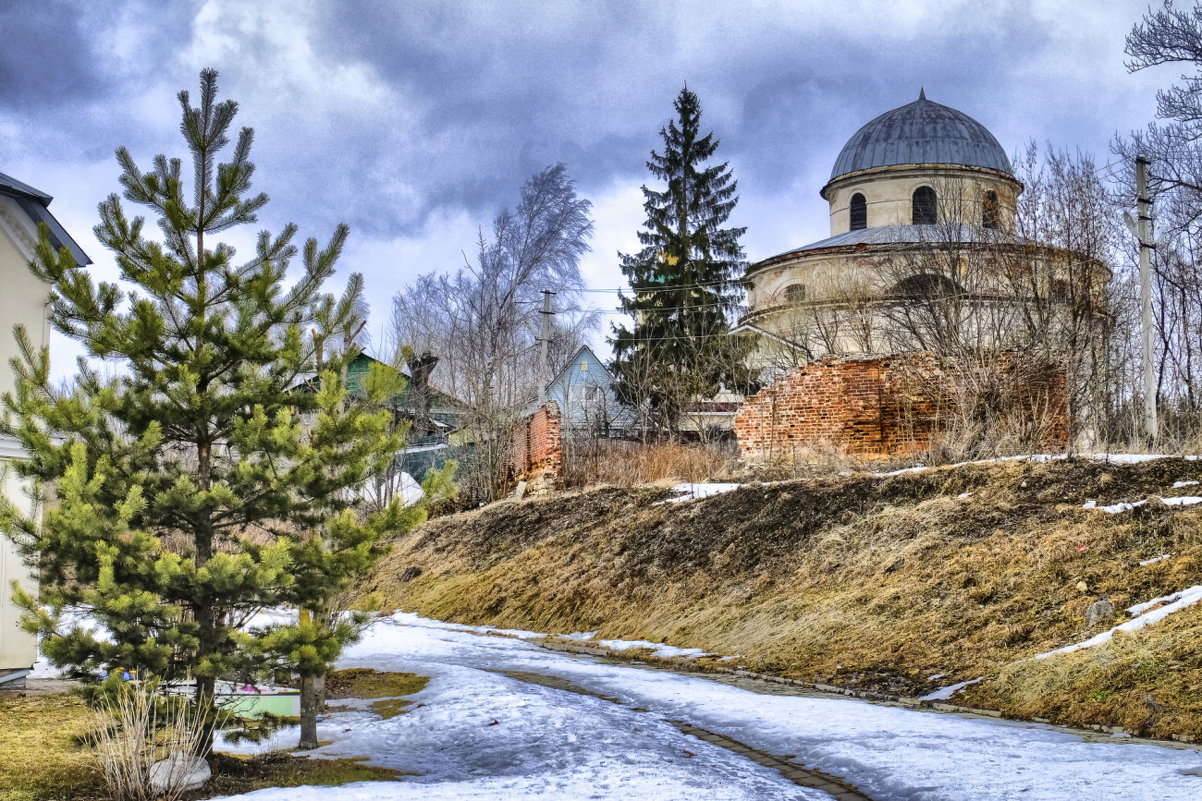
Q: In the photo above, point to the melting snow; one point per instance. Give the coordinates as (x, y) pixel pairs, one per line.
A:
(689, 492)
(657, 649)
(1125, 506)
(475, 733)
(945, 693)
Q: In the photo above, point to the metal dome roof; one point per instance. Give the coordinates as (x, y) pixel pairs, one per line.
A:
(922, 132)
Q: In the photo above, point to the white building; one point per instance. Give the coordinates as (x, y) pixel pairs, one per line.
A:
(23, 301)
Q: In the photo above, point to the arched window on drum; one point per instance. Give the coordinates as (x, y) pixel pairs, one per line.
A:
(989, 211)
(795, 293)
(922, 206)
(859, 212)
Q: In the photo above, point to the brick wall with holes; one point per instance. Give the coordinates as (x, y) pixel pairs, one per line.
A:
(537, 452)
(887, 406)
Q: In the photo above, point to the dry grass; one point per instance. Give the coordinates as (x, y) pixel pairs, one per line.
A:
(387, 686)
(41, 751)
(875, 582)
(43, 758)
(620, 463)
(368, 683)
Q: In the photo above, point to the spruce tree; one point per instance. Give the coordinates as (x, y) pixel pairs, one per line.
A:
(192, 486)
(685, 281)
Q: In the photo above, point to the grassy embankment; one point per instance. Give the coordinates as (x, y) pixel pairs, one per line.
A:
(861, 581)
(44, 757)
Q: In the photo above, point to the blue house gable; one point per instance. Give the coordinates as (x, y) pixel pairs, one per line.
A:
(584, 392)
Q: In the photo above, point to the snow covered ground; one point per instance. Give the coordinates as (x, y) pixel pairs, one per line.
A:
(476, 733)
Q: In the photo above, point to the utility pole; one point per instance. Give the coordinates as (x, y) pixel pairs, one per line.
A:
(1143, 210)
(544, 340)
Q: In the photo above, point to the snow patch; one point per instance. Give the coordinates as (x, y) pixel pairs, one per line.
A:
(945, 693)
(657, 649)
(1155, 559)
(1126, 506)
(1180, 484)
(411, 490)
(1041, 458)
(581, 635)
(689, 492)
(1192, 592)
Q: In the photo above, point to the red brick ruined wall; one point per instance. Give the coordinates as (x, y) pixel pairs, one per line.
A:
(877, 407)
(537, 451)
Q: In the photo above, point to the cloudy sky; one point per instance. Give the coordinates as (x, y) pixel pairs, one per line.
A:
(416, 121)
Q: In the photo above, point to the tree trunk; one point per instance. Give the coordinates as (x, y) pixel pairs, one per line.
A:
(310, 702)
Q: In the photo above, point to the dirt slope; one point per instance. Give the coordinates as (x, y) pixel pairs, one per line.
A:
(863, 581)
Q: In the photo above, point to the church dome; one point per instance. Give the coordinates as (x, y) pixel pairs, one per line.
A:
(922, 132)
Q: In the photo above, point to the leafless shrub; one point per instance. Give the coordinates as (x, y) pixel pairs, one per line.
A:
(137, 727)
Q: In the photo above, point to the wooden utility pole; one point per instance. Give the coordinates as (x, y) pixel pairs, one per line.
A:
(544, 340)
(1143, 226)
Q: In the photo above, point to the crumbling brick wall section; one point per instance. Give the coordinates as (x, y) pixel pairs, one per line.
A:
(537, 454)
(877, 407)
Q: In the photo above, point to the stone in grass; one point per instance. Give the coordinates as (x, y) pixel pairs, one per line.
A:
(179, 771)
(1098, 611)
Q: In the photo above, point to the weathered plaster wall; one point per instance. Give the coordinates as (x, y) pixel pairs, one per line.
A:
(888, 192)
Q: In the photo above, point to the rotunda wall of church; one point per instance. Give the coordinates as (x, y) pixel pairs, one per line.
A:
(846, 277)
(889, 191)
(809, 278)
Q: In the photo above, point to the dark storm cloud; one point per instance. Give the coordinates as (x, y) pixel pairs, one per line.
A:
(405, 110)
(48, 58)
(66, 78)
(498, 93)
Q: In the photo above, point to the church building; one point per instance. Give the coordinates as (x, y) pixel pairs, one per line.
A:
(925, 256)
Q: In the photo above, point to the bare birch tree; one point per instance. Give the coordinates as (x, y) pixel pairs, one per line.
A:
(482, 321)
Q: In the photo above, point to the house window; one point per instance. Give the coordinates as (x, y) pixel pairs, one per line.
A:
(584, 365)
(795, 293)
(592, 394)
(989, 211)
(923, 206)
(859, 212)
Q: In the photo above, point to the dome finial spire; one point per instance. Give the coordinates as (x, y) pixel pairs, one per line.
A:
(922, 93)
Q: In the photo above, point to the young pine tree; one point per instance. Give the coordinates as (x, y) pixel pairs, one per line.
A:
(684, 282)
(193, 488)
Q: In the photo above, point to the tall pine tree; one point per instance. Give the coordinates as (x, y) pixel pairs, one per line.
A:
(193, 487)
(684, 282)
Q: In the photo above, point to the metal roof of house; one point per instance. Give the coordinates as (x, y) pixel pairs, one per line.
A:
(35, 203)
(922, 132)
